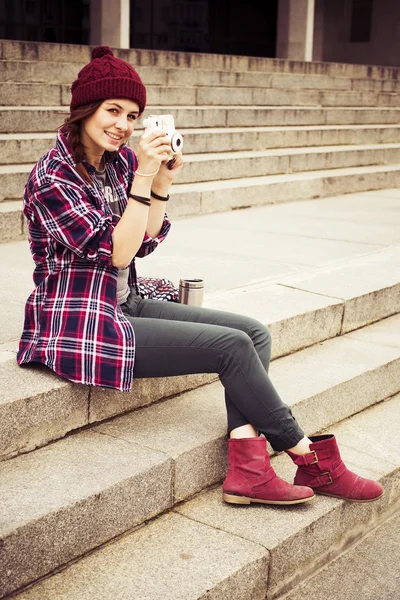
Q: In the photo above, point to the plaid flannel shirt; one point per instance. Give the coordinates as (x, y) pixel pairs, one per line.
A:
(73, 323)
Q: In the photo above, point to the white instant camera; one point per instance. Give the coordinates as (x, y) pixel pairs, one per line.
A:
(164, 123)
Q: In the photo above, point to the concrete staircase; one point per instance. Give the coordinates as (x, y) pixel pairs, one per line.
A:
(110, 495)
(257, 131)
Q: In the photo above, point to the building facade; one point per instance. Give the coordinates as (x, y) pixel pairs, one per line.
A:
(353, 31)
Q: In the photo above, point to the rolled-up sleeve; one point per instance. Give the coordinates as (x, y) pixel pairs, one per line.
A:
(149, 244)
(73, 221)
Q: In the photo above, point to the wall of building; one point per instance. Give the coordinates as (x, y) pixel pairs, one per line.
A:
(65, 21)
(217, 26)
(319, 14)
(384, 45)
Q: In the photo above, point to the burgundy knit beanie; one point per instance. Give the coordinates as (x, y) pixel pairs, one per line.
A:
(105, 77)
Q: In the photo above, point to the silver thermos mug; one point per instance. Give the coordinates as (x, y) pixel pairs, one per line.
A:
(191, 291)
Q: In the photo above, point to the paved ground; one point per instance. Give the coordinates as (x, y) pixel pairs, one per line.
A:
(247, 246)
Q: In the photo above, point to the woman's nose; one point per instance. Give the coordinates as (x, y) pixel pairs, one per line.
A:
(122, 123)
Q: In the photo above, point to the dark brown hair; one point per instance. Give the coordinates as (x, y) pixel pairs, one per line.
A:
(72, 125)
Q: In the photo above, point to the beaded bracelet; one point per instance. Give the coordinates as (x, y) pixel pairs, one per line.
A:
(157, 197)
(141, 199)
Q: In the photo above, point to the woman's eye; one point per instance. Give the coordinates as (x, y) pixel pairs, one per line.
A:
(112, 110)
(132, 117)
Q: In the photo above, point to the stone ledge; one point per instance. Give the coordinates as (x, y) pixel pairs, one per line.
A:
(40, 408)
(28, 148)
(21, 50)
(65, 499)
(370, 565)
(225, 166)
(36, 94)
(195, 199)
(29, 71)
(175, 449)
(273, 548)
(356, 286)
(173, 556)
(46, 119)
(296, 318)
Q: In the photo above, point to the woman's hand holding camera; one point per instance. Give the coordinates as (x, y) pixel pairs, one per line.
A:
(154, 156)
(168, 172)
(153, 149)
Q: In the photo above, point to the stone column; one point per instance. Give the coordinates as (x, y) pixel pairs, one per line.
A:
(295, 31)
(109, 23)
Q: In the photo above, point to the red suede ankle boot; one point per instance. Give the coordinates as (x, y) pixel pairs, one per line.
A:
(323, 470)
(251, 478)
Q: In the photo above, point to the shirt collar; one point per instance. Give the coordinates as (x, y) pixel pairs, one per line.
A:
(64, 147)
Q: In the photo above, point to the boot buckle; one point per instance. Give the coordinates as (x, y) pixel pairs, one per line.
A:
(314, 462)
(328, 475)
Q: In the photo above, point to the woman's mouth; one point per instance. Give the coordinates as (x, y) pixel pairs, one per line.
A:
(114, 138)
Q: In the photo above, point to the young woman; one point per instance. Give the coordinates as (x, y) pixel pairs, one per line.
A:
(93, 205)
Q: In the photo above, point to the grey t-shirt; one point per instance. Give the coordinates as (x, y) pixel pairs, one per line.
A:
(112, 199)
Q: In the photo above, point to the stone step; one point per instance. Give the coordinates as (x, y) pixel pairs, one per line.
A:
(44, 407)
(286, 81)
(370, 565)
(49, 52)
(26, 71)
(229, 165)
(24, 148)
(254, 550)
(66, 73)
(12, 222)
(42, 119)
(275, 97)
(199, 141)
(196, 199)
(232, 165)
(34, 94)
(12, 181)
(303, 309)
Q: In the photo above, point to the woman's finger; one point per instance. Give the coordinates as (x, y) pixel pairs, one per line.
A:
(160, 144)
(176, 162)
(159, 153)
(153, 136)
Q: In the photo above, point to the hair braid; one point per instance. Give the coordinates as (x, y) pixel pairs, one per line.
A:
(72, 125)
(74, 138)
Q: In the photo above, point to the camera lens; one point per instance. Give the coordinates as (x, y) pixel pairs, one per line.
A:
(176, 142)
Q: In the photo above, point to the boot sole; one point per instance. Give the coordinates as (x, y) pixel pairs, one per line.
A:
(348, 499)
(231, 499)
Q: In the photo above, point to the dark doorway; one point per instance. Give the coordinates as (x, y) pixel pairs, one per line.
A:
(65, 21)
(215, 26)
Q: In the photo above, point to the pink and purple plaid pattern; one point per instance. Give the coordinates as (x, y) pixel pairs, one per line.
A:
(73, 323)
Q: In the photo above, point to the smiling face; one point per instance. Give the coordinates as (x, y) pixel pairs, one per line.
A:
(108, 128)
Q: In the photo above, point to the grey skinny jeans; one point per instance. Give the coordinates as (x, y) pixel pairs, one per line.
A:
(176, 339)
